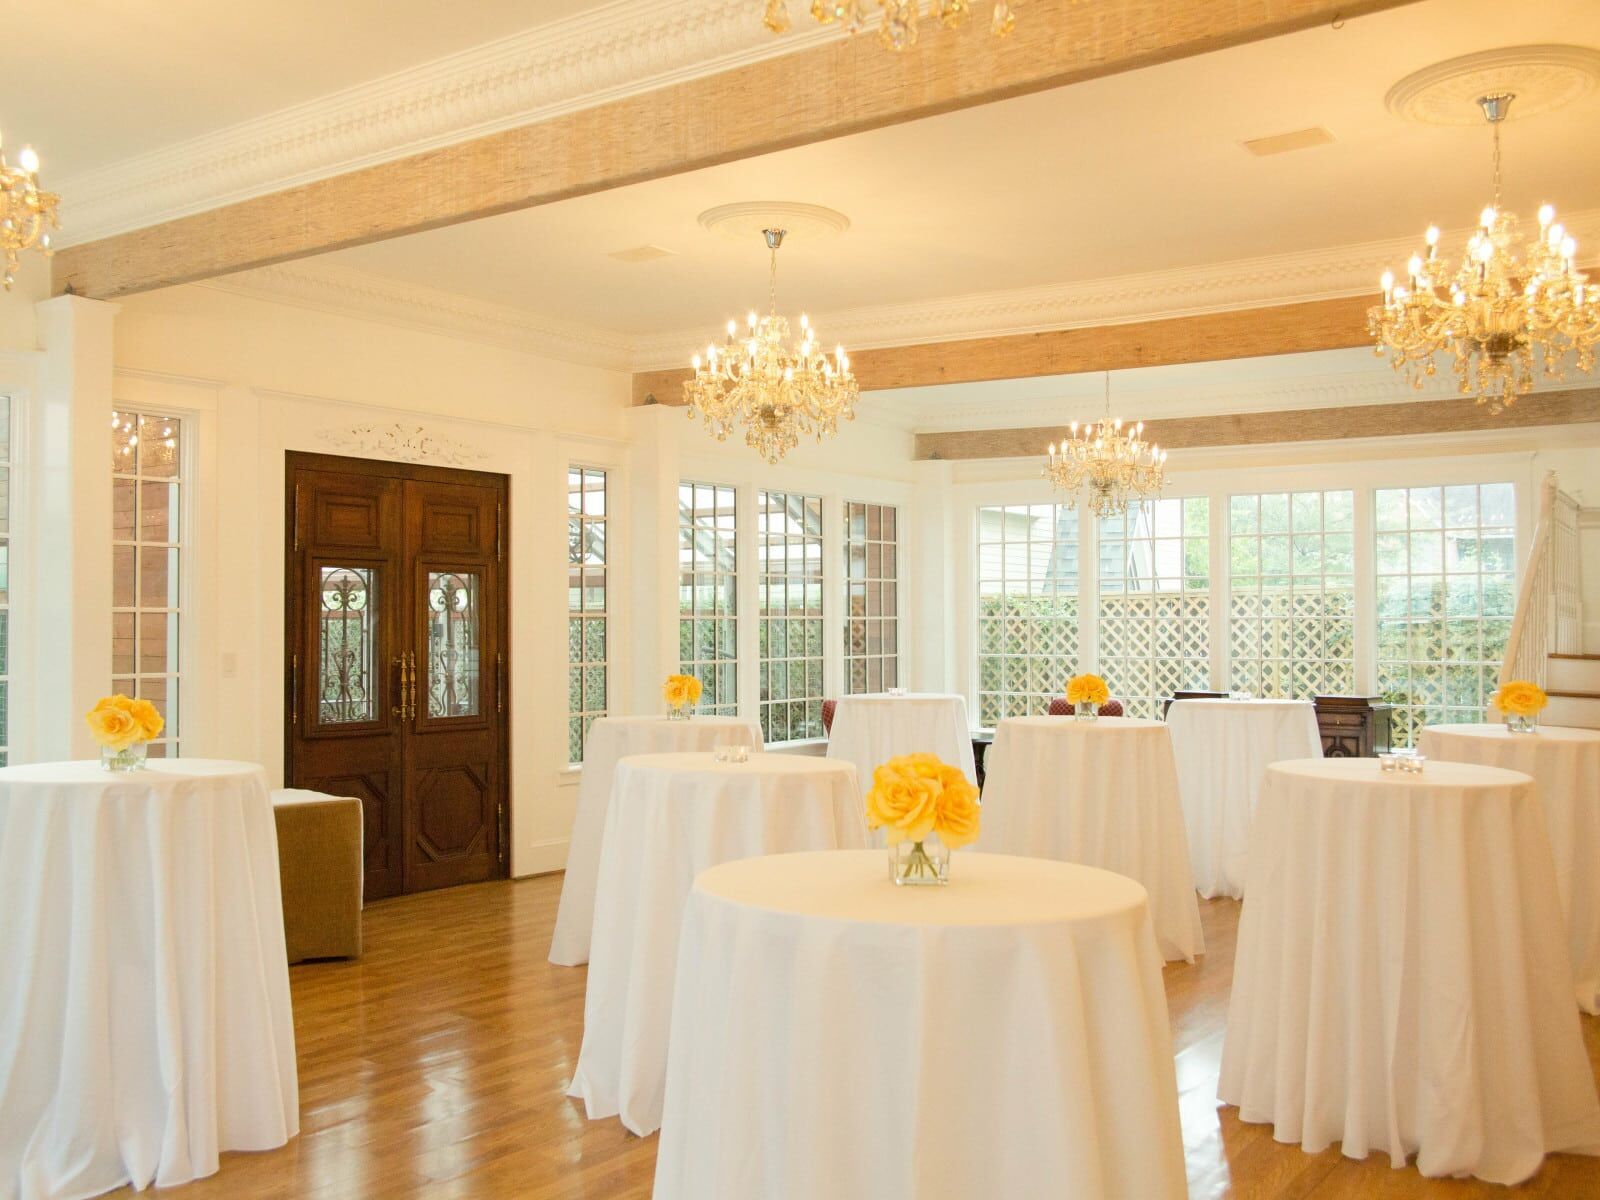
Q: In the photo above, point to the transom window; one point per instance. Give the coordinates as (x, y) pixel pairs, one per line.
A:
(1291, 594)
(1446, 591)
(708, 623)
(789, 599)
(588, 603)
(1027, 608)
(1155, 601)
(871, 627)
(147, 538)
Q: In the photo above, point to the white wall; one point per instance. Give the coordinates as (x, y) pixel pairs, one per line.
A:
(253, 380)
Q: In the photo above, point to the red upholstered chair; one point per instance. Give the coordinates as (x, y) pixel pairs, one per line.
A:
(1060, 707)
(828, 707)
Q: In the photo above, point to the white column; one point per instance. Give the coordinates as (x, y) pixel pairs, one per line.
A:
(69, 504)
(655, 468)
(927, 591)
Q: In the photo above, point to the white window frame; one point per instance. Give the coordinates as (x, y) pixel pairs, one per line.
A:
(1047, 675)
(179, 608)
(585, 714)
(723, 667)
(810, 666)
(1296, 673)
(861, 581)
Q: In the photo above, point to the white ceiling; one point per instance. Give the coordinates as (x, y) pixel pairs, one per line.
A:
(1134, 173)
(92, 82)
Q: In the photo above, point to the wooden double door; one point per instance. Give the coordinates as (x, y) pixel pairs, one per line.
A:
(396, 671)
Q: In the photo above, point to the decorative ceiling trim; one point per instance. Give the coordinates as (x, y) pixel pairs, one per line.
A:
(620, 49)
(308, 284)
(405, 442)
(1187, 291)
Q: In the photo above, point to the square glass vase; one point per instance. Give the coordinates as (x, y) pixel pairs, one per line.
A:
(920, 864)
(1085, 710)
(1516, 724)
(128, 759)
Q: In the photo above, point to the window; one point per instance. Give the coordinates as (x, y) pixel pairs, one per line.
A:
(146, 553)
(789, 599)
(708, 620)
(588, 601)
(1291, 600)
(5, 580)
(1155, 601)
(1446, 592)
(871, 627)
(1027, 608)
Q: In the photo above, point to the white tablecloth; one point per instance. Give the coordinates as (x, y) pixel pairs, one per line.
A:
(870, 730)
(1222, 748)
(144, 1005)
(671, 817)
(611, 739)
(1102, 793)
(834, 1036)
(1402, 981)
(1565, 764)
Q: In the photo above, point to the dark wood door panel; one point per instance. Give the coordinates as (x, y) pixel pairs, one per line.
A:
(397, 625)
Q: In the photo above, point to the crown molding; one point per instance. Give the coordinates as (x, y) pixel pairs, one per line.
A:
(364, 296)
(619, 49)
(1351, 270)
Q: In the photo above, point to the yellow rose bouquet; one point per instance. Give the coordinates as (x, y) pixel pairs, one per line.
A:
(121, 727)
(926, 808)
(1519, 701)
(1086, 693)
(682, 693)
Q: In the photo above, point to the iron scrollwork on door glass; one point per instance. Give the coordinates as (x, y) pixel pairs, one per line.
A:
(453, 640)
(346, 638)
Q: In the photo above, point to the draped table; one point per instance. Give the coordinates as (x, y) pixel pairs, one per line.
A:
(1103, 793)
(1565, 764)
(610, 740)
(1402, 981)
(671, 816)
(145, 1024)
(1222, 748)
(870, 730)
(836, 1036)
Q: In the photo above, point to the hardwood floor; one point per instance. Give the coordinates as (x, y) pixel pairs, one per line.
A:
(436, 1066)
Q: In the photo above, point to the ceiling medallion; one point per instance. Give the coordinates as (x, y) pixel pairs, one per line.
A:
(27, 214)
(1504, 304)
(1543, 78)
(777, 393)
(1114, 467)
(898, 30)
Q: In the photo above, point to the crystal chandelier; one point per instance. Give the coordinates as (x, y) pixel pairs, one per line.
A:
(26, 214)
(778, 394)
(899, 28)
(1116, 466)
(1504, 305)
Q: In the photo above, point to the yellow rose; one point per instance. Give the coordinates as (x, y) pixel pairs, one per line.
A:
(959, 811)
(680, 690)
(1087, 689)
(150, 722)
(1520, 698)
(112, 725)
(902, 802)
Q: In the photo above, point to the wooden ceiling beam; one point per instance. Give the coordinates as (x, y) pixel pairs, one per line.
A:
(812, 95)
(1336, 324)
(1457, 415)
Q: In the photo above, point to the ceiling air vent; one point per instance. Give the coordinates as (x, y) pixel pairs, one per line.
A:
(641, 254)
(1282, 143)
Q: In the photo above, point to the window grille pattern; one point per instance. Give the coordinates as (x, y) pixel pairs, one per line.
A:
(789, 599)
(708, 622)
(871, 625)
(1027, 608)
(588, 605)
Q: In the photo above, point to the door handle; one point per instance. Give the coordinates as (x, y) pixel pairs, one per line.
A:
(412, 654)
(399, 710)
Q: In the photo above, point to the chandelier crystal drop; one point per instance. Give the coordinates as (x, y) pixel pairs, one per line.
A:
(1508, 311)
(777, 393)
(898, 27)
(27, 213)
(1113, 466)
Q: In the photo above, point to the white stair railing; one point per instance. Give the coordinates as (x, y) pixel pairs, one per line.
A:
(1549, 615)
